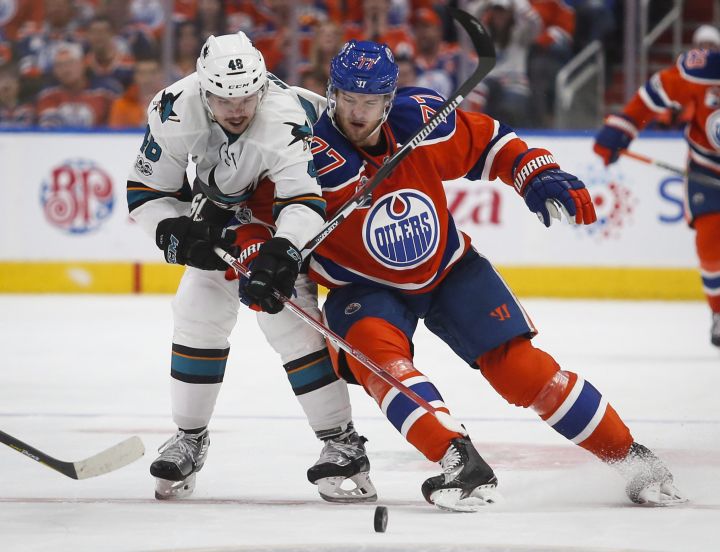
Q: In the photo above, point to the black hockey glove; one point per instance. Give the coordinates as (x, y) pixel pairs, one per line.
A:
(276, 267)
(188, 242)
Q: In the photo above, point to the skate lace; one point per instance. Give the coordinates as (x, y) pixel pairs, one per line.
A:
(179, 447)
(451, 461)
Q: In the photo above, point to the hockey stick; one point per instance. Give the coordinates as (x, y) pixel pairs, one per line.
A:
(443, 417)
(698, 177)
(103, 462)
(485, 50)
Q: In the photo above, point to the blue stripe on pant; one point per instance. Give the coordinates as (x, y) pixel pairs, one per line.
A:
(581, 413)
(711, 283)
(401, 407)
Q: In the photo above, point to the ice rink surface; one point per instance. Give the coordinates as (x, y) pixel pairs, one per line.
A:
(81, 373)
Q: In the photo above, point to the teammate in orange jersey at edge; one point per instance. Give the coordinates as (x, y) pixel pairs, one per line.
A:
(692, 81)
(400, 258)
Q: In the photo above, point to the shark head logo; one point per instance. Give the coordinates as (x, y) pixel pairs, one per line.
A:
(300, 133)
(165, 107)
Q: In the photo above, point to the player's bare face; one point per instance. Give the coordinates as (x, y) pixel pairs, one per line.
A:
(233, 114)
(359, 115)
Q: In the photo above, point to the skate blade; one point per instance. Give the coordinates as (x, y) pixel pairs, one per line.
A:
(174, 490)
(450, 500)
(661, 494)
(330, 489)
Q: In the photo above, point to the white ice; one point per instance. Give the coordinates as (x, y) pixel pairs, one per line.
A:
(81, 373)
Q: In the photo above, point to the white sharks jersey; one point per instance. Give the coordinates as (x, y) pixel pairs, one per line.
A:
(274, 150)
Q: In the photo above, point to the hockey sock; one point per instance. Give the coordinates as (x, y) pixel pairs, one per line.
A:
(707, 230)
(529, 377)
(389, 347)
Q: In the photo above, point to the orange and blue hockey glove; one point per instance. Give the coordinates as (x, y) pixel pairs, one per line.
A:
(615, 135)
(250, 238)
(548, 191)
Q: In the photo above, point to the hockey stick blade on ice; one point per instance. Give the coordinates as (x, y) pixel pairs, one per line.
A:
(701, 178)
(101, 463)
(485, 50)
(443, 417)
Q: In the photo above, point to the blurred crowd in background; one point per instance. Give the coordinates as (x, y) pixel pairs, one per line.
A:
(98, 63)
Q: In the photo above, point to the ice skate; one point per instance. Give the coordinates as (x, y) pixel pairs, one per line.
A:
(342, 459)
(650, 483)
(715, 329)
(467, 482)
(181, 457)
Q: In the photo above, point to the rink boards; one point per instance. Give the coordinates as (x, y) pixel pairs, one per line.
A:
(65, 226)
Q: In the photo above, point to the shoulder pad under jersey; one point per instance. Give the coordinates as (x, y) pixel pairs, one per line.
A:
(413, 107)
(701, 66)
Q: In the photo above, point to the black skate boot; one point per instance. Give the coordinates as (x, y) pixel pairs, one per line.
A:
(649, 482)
(181, 457)
(715, 329)
(343, 458)
(467, 482)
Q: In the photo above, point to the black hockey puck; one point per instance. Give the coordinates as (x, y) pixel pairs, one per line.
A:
(381, 517)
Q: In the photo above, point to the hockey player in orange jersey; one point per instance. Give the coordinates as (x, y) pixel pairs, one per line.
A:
(694, 81)
(400, 258)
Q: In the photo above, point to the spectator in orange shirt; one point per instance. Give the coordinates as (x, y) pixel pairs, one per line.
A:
(77, 101)
(375, 26)
(130, 110)
(286, 34)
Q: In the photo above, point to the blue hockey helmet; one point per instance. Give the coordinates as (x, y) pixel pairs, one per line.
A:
(363, 67)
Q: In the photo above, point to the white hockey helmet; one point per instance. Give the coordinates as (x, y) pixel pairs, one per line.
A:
(230, 66)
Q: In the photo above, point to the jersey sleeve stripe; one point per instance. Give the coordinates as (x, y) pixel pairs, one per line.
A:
(654, 96)
(138, 194)
(311, 201)
(500, 144)
(502, 134)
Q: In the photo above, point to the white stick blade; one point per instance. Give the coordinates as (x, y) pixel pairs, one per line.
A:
(111, 459)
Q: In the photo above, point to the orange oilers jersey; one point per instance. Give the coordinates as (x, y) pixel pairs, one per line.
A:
(693, 80)
(405, 238)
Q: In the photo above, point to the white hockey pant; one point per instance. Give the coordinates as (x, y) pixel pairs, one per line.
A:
(205, 310)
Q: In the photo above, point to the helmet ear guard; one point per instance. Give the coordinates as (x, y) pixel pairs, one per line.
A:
(230, 66)
(363, 67)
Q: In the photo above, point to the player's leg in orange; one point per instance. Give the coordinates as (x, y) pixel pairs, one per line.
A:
(389, 347)
(529, 377)
(707, 244)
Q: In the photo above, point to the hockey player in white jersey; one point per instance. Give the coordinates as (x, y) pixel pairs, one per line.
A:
(255, 190)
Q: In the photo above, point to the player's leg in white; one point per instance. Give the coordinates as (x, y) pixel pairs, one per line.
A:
(342, 471)
(204, 311)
